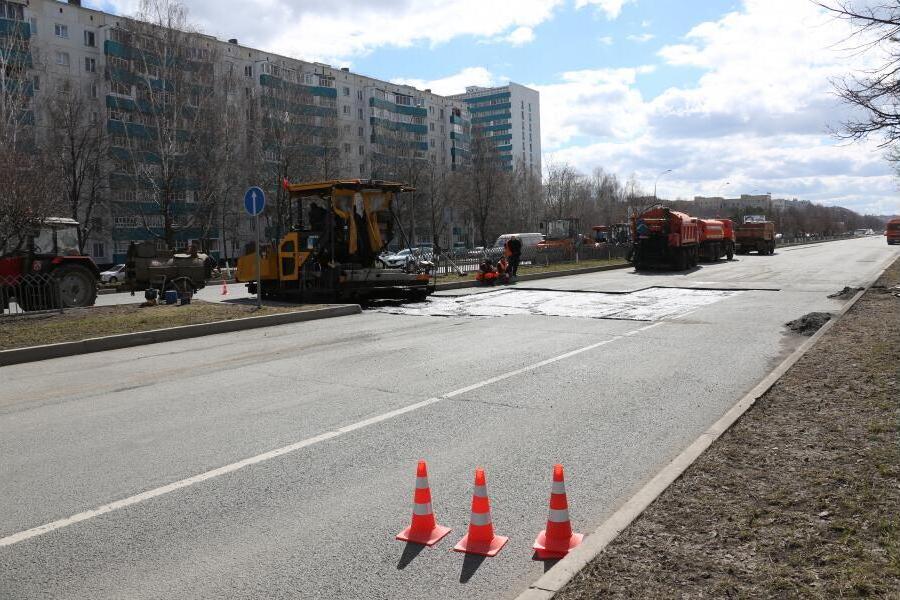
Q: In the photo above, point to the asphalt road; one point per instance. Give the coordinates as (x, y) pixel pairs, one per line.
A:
(333, 416)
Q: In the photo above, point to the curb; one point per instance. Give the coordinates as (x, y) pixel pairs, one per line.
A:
(567, 568)
(533, 276)
(128, 340)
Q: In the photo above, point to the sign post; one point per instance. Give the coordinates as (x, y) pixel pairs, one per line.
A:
(255, 202)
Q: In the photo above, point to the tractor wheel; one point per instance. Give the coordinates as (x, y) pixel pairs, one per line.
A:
(77, 286)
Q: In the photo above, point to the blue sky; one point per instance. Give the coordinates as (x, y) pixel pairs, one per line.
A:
(733, 95)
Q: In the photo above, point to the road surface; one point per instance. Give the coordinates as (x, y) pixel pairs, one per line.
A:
(280, 462)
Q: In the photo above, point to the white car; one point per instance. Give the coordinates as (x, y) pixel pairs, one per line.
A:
(399, 259)
(113, 275)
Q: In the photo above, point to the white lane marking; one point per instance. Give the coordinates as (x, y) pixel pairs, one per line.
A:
(322, 437)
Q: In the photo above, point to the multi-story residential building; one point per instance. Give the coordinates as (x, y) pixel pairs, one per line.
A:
(510, 117)
(349, 125)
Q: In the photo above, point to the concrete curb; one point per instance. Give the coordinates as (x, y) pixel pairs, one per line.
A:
(560, 574)
(128, 340)
(533, 276)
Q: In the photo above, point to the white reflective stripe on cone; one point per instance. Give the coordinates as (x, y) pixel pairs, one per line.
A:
(421, 483)
(559, 487)
(480, 491)
(422, 509)
(559, 515)
(481, 518)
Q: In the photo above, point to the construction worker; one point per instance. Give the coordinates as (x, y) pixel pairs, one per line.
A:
(514, 250)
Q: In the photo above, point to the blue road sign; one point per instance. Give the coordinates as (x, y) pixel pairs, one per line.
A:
(254, 201)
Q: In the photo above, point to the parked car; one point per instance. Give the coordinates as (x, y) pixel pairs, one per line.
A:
(113, 275)
(400, 258)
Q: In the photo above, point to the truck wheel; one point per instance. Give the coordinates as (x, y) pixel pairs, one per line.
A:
(681, 260)
(729, 251)
(77, 286)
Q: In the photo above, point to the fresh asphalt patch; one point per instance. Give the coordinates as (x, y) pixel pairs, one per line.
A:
(650, 304)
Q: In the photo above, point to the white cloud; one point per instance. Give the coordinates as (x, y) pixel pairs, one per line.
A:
(606, 40)
(452, 84)
(641, 38)
(611, 8)
(338, 31)
(758, 116)
(520, 36)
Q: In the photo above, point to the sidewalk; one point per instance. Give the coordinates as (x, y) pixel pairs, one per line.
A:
(800, 498)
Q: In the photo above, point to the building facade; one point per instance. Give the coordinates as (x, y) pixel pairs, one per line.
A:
(350, 125)
(510, 117)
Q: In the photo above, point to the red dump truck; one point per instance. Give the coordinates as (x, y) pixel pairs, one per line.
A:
(755, 235)
(716, 239)
(892, 232)
(666, 238)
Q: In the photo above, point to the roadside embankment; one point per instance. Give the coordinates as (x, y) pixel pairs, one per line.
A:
(798, 499)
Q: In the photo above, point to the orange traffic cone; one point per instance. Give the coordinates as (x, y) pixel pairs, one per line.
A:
(557, 539)
(423, 529)
(224, 288)
(481, 539)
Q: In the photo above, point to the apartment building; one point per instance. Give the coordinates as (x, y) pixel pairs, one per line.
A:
(358, 125)
(510, 117)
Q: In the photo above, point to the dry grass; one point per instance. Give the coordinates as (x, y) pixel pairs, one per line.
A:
(98, 321)
(800, 499)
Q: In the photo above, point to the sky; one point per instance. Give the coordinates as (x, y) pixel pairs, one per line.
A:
(734, 96)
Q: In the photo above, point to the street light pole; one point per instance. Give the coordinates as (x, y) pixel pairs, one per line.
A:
(655, 181)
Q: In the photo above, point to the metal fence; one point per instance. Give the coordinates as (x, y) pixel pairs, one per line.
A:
(466, 262)
(29, 293)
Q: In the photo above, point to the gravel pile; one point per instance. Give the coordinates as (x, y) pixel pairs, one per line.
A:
(809, 323)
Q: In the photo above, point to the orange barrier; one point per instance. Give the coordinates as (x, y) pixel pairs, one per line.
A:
(557, 539)
(423, 529)
(481, 539)
(224, 288)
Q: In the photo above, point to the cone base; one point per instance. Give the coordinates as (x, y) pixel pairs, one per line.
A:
(490, 548)
(549, 549)
(428, 538)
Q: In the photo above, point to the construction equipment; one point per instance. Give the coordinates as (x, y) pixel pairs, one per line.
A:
(892, 232)
(49, 273)
(561, 234)
(665, 237)
(616, 234)
(147, 267)
(338, 229)
(756, 235)
(716, 239)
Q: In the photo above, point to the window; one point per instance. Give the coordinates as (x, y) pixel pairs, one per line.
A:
(360, 132)
(346, 130)
(129, 221)
(346, 91)
(248, 71)
(432, 142)
(362, 150)
(90, 64)
(346, 109)
(360, 113)
(117, 87)
(431, 126)
(359, 95)
(36, 82)
(346, 148)
(33, 22)
(442, 113)
(8, 10)
(98, 250)
(94, 91)
(95, 117)
(61, 31)
(62, 58)
(90, 38)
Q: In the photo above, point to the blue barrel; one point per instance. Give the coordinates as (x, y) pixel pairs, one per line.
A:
(171, 296)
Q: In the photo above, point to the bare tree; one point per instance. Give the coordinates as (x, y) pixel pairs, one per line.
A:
(27, 194)
(163, 73)
(77, 141)
(877, 91)
(294, 134)
(487, 185)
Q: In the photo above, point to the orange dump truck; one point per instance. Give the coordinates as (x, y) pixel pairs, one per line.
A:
(892, 232)
(756, 235)
(716, 239)
(665, 237)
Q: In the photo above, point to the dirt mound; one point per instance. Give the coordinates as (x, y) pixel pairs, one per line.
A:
(846, 293)
(809, 323)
